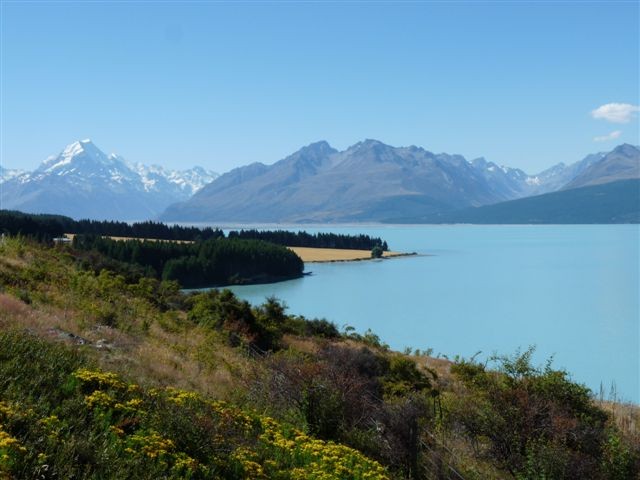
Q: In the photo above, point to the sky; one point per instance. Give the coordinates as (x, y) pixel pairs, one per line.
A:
(221, 84)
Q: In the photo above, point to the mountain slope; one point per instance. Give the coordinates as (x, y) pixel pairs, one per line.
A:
(84, 182)
(506, 182)
(620, 164)
(366, 182)
(556, 177)
(614, 202)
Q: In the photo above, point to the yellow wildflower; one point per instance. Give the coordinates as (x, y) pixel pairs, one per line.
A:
(8, 442)
(105, 379)
(99, 399)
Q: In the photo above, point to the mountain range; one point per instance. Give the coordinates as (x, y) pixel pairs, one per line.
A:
(374, 182)
(84, 182)
(367, 182)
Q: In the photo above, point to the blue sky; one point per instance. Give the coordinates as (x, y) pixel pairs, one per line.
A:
(224, 84)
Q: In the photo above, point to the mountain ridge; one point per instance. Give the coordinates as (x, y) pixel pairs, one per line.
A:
(619, 164)
(368, 181)
(612, 202)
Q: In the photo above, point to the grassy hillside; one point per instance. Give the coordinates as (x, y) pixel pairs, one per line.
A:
(104, 374)
(615, 202)
(63, 417)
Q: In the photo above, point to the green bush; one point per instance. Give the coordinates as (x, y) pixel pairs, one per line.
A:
(533, 422)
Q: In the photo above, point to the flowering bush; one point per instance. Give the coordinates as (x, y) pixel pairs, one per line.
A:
(118, 429)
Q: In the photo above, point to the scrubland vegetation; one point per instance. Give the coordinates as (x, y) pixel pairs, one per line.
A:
(108, 373)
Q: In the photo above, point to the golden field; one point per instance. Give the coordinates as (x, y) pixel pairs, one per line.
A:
(311, 255)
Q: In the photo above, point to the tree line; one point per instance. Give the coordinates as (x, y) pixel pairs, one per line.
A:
(47, 227)
(216, 261)
(50, 226)
(316, 240)
(40, 227)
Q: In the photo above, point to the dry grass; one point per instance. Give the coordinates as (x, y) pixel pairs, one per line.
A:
(302, 344)
(626, 416)
(70, 236)
(192, 358)
(146, 344)
(11, 306)
(440, 366)
(14, 313)
(311, 255)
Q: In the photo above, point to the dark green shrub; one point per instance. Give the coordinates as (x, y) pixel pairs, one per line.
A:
(404, 377)
(533, 422)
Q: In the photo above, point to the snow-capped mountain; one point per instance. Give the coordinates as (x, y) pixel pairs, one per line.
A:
(512, 183)
(8, 174)
(185, 182)
(505, 182)
(556, 177)
(84, 182)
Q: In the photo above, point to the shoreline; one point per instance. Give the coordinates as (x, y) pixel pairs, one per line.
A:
(330, 255)
(261, 280)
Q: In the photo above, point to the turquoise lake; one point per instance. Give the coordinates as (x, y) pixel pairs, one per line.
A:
(572, 291)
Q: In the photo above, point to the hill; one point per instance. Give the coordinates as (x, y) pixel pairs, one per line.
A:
(615, 202)
(622, 163)
(110, 376)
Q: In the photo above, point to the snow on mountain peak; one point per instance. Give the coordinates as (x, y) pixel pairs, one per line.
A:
(82, 152)
(73, 149)
(84, 165)
(8, 174)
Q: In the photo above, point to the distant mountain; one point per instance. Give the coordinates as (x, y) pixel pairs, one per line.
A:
(602, 188)
(559, 175)
(8, 174)
(178, 183)
(366, 182)
(369, 181)
(613, 202)
(84, 182)
(505, 182)
(620, 164)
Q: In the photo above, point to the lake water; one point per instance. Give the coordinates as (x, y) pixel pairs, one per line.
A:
(572, 291)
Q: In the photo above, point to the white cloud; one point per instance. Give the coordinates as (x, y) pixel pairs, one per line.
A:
(611, 136)
(616, 112)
